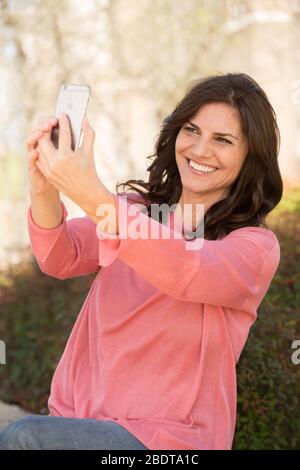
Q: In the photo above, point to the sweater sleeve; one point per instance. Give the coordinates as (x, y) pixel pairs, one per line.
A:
(225, 272)
(67, 250)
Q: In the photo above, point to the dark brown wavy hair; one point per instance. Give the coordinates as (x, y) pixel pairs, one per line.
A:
(258, 187)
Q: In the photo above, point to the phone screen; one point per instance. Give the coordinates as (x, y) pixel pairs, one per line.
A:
(73, 100)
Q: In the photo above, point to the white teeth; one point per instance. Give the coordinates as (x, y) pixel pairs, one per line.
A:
(203, 168)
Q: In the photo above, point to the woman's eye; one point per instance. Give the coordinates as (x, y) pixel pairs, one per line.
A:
(224, 140)
(190, 129)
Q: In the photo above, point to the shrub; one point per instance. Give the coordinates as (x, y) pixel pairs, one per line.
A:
(37, 313)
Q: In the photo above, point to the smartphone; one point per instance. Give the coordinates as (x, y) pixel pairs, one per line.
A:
(73, 100)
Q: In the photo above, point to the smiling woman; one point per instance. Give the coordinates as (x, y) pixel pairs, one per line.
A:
(208, 163)
(225, 122)
(151, 360)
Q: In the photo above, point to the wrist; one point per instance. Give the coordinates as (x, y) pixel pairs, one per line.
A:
(49, 194)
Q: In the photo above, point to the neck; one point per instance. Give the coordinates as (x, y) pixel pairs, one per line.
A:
(207, 200)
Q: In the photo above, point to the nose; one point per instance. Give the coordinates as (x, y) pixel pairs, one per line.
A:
(201, 148)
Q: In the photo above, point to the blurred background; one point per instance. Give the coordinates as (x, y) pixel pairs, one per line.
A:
(139, 58)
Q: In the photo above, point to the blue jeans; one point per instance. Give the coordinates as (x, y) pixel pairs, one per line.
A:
(38, 432)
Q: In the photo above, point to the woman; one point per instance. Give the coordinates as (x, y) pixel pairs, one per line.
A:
(151, 360)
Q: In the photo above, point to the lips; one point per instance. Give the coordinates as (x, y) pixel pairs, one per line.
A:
(209, 166)
(204, 164)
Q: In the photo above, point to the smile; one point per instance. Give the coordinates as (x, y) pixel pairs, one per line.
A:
(200, 169)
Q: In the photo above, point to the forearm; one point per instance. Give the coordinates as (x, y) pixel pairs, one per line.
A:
(46, 209)
(99, 205)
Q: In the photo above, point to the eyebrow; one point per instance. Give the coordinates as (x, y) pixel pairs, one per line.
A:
(218, 133)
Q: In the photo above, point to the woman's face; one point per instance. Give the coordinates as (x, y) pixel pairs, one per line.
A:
(199, 140)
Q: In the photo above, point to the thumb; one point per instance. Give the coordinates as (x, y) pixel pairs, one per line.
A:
(88, 135)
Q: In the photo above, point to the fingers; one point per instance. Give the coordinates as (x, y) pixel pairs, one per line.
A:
(43, 127)
(32, 157)
(33, 139)
(64, 138)
(44, 121)
(88, 137)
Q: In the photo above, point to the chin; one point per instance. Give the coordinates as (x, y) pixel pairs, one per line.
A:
(192, 189)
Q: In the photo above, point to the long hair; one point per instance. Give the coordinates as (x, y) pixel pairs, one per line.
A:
(258, 187)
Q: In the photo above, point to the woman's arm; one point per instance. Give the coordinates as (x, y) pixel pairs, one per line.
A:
(46, 209)
(67, 249)
(225, 272)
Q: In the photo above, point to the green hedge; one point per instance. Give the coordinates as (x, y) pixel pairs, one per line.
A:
(268, 382)
(38, 312)
(37, 315)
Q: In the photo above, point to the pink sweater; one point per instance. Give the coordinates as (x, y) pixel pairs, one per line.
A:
(157, 340)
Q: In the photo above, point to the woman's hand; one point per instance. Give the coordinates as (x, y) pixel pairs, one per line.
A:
(73, 172)
(38, 184)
